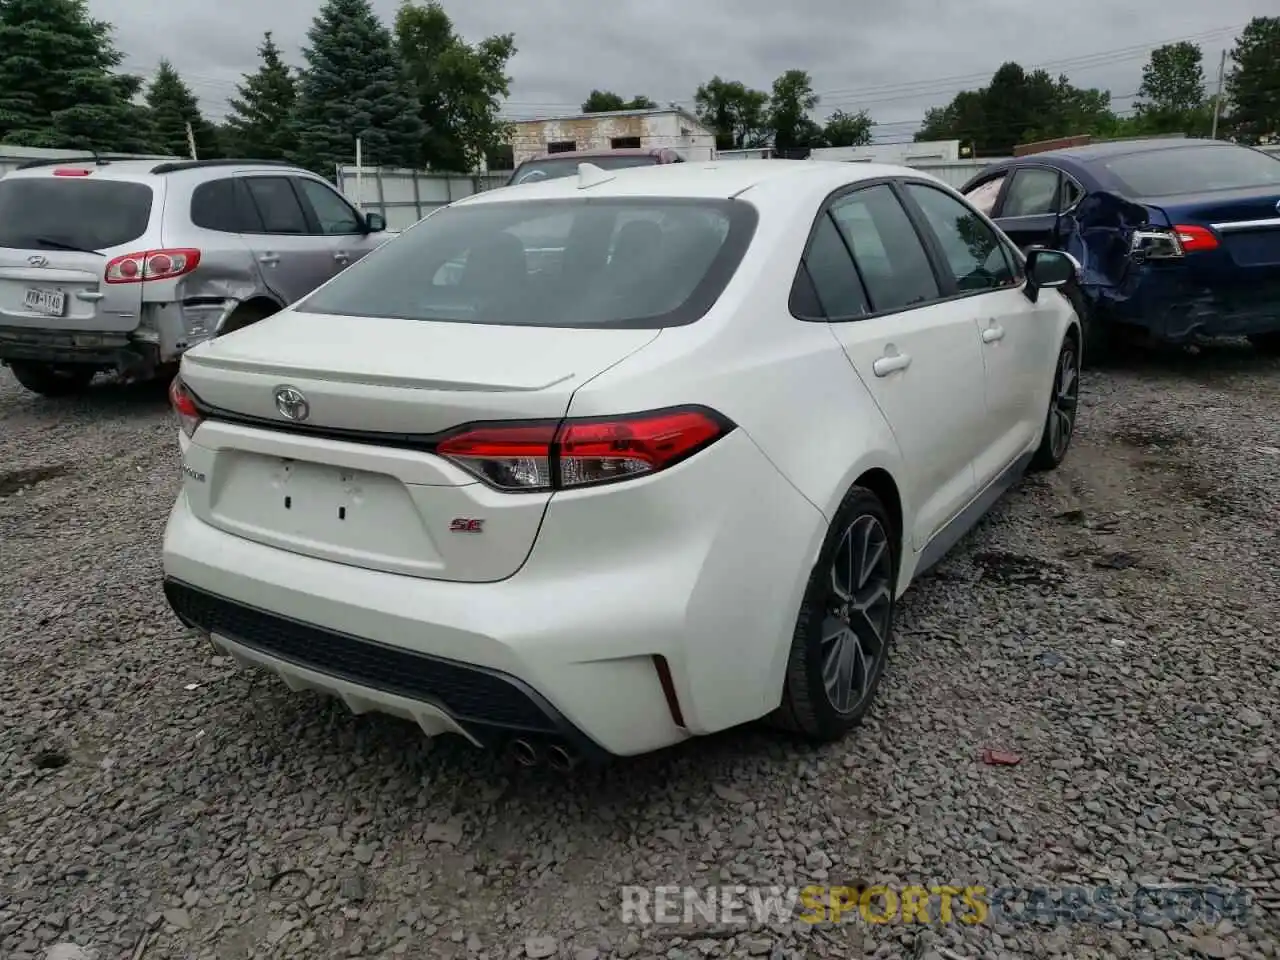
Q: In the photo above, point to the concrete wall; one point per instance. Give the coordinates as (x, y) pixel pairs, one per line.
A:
(597, 131)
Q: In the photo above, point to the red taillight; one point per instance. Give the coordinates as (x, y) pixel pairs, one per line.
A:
(184, 406)
(152, 265)
(71, 172)
(1193, 239)
(579, 453)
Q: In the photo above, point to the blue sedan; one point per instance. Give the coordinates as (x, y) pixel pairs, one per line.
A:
(1177, 238)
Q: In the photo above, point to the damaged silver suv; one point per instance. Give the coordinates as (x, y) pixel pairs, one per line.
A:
(124, 264)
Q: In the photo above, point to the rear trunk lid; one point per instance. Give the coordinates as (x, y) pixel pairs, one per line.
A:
(1247, 220)
(57, 234)
(355, 481)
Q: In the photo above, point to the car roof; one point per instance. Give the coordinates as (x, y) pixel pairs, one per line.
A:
(138, 169)
(612, 152)
(709, 179)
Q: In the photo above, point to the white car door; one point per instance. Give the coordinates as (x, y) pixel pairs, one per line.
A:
(1014, 332)
(919, 358)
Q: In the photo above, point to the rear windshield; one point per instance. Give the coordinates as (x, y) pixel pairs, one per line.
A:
(1194, 169)
(600, 262)
(555, 168)
(44, 213)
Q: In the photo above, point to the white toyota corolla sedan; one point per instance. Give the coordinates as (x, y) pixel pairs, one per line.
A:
(595, 465)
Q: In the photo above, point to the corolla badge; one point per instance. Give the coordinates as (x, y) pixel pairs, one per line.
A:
(292, 404)
(38, 260)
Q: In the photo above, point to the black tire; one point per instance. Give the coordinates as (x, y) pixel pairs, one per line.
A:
(1099, 340)
(1267, 343)
(1064, 404)
(807, 705)
(53, 380)
(243, 316)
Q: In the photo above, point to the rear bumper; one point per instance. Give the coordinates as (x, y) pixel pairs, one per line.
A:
(1177, 310)
(106, 350)
(702, 566)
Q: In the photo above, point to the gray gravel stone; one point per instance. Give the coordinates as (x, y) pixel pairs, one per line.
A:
(148, 779)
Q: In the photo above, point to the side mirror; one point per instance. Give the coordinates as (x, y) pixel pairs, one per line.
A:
(1048, 269)
(375, 222)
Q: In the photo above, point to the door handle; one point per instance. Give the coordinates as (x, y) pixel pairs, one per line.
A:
(890, 364)
(270, 259)
(993, 333)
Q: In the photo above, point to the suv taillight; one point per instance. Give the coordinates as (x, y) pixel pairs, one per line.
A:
(184, 406)
(152, 265)
(1160, 243)
(550, 455)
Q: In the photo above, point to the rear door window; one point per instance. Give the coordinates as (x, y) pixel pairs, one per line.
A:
(889, 253)
(589, 262)
(225, 205)
(41, 213)
(277, 205)
(1032, 193)
(827, 284)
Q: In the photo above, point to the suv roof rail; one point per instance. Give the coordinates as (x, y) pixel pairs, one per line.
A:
(100, 159)
(176, 165)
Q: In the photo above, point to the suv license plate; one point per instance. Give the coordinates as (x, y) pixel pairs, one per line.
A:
(51, 303)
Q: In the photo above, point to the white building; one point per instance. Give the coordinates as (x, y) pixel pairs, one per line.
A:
(622, 129)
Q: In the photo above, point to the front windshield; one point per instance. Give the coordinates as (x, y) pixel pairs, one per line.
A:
(553, 168)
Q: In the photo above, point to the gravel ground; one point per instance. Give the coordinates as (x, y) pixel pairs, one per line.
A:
(1113, 625)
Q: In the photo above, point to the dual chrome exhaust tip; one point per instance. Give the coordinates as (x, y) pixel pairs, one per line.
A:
(556, 755)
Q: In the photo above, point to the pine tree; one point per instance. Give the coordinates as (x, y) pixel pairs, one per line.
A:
(57, 85)
(1253, 86)
(173, 106)
(354, 86)
(261, 121)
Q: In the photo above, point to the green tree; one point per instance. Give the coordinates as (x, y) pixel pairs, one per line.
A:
(606, 101)
(459, 86)
(1172, 98)
(737, 114)
(848, 129)
(173, 106)
(58, 87)
(260, 124)
(1253, 85)
(1018, 107)
(790, 104)
(354, 87)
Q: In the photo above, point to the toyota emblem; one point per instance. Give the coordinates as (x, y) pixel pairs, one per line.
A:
(292, 404)
(38, 260)
(1278, 206)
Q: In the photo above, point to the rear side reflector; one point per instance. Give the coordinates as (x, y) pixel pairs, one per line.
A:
(540, 456)
(152, 265)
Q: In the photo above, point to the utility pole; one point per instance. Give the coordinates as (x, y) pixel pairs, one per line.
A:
(191, 142)
(1217, 100)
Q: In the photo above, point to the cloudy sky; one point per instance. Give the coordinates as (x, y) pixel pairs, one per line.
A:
(893, 57)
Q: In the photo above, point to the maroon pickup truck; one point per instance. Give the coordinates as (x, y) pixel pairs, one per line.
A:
(550, 166)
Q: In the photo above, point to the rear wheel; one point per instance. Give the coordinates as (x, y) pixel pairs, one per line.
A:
(1064, 401)
(841, 642)
(1268, 343)
(247, 314)
(53, 379)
